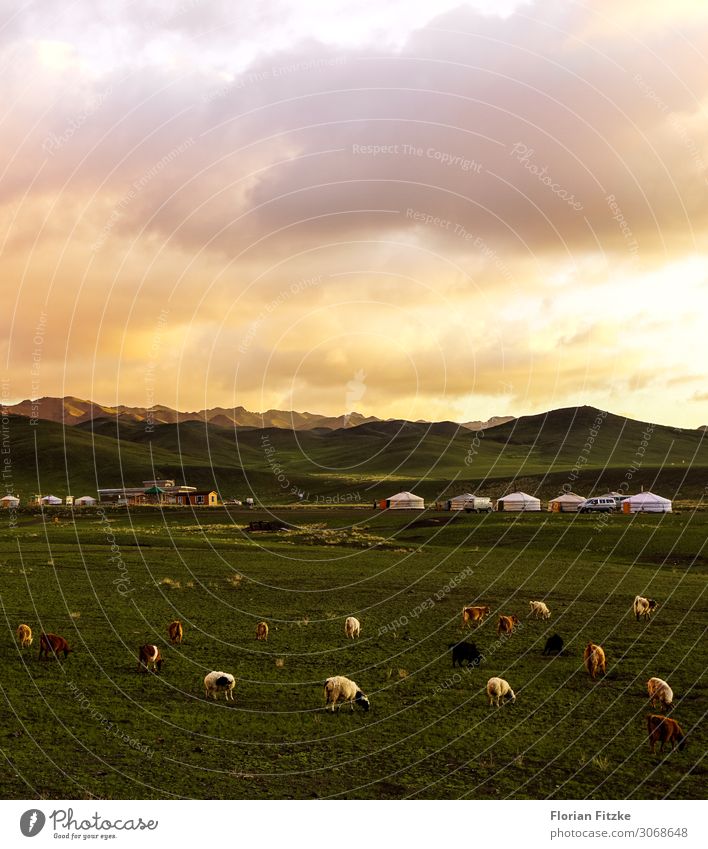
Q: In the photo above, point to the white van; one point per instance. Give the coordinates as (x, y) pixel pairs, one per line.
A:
(603, 504)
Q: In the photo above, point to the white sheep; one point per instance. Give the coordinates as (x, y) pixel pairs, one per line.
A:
(219, 682)
(644, 607)
(660, 693)
(341, 689)
(352, 627)
(499, 690)
(539, 610)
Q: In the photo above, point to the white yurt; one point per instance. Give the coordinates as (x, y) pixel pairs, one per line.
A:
(9, 501)
(565, 503)
(646, 502)
(85, 501)
(460, 502)
(405, 501)
(52, 500)
(518, 502)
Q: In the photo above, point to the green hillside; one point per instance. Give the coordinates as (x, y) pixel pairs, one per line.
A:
(578, 448)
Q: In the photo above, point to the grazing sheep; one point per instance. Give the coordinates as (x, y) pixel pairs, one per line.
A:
(174, 629)
(594, 658)
(149, 655)
(498, 690)
(539, 610)
(352, 627)
(663, 730)
(507, 624)
(465, 651)
(52, 644)
(644, 607)
(474, 614)
(341, 689)
(660, 694)
(24, 635)
(554, 645)
(262, 631)
(219, 682)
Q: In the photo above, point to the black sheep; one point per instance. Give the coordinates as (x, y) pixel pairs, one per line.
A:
(554, 645)
(465, 651)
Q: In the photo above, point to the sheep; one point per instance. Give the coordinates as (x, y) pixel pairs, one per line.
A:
(341, 689)
(24, 635)
(262, 631)
(507, 624)
(499, 690)
(465, 651)
(594, 658)
(352, 627)
(644, 607)
(219, 682)
(663, 730)
(660, 693)
(149, 655)
(539, 610)
(51, 644)
(554, 645)
(175, 631)
(476, 614)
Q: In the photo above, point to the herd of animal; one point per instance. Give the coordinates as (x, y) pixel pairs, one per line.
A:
(340, 690)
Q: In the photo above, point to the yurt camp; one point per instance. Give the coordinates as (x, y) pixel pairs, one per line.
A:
(646, 502)
(9, 501)
(403, 501)
(470, 503)
(565, 503)
(518, 502)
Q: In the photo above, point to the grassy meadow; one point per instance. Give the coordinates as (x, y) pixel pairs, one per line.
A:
(92, 726)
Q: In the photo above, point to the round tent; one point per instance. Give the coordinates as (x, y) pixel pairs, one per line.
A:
(646, 502)
(565, 503)
(460, 502)
(51, 499)
(404, 501)
(9, 501)
(518, 502)
(85, 501)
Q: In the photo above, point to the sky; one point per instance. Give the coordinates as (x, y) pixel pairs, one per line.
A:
(408, 209)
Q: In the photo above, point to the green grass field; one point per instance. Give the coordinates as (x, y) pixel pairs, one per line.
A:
(109, 585)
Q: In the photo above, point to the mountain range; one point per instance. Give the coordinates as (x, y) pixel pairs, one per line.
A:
(72, 411)
(540, 454)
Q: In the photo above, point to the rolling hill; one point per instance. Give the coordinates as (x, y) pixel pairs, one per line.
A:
(539, 454)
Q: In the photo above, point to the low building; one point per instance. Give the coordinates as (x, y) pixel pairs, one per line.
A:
(84, 501)
(566, 503)
(403, 501)
(198, 498)
(469, 503)
(518, 502)
(646, 502)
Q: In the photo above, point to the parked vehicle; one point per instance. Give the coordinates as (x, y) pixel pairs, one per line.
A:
(603, 504)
